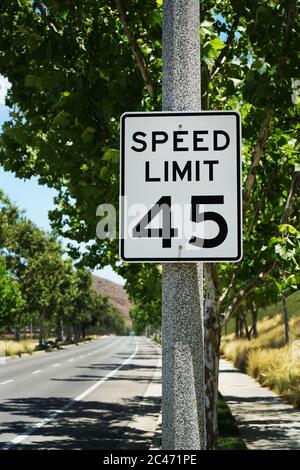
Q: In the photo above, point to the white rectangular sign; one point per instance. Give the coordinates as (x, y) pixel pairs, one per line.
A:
(181, 187)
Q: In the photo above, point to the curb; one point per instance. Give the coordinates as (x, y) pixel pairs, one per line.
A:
(4, 359)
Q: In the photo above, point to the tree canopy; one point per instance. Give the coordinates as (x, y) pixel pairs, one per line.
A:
(76, 68)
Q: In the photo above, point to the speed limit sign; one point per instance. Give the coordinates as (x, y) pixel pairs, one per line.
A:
(180, 187)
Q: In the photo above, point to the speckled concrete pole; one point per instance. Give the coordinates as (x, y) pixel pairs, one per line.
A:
(183, 411)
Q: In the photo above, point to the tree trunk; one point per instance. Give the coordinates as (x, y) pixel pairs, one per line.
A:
(42, 331)
(285, 319)
(254, 320)
(212, 346)
(241, 327)
(17, 333)
(60, 329)
(76, 333)
(247, 332)
(237, 326)
(69, 332)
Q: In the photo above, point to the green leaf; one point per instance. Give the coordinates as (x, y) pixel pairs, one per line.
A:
(87, 135)
(206, 31)
(84, 168)
(111, 155)
(236, 82)
(287, 228)
(62, 119)
(280, 250)
(217, 44)
(206, 24)
(209, 61)
(103, 74)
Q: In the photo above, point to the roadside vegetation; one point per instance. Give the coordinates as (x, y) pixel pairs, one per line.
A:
(44, 297)
(17, 348)
(268, 357)
(229, 435)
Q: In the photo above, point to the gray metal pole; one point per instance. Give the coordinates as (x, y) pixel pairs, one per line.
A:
(183, 390)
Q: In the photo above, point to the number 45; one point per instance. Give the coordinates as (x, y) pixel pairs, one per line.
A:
(167, 232)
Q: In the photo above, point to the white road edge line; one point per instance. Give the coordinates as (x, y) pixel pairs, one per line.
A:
(101, 349)
(36, 371)
(7, 382)
(40, 424)
(98, 350)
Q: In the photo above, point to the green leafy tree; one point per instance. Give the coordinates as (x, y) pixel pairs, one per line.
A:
(11, 301)
(41, 282)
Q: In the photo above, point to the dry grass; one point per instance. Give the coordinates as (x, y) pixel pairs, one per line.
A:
(91, 337)
(277, 370)
(17, 348)
(267, 359)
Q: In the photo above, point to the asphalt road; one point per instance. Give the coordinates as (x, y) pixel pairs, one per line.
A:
(101, 395)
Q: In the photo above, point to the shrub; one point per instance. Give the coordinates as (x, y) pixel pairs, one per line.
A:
(17, 348)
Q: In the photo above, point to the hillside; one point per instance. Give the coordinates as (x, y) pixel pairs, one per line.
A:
(116, 294)
(293, 307)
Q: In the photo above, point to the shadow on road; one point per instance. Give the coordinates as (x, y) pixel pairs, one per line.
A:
(88, 424)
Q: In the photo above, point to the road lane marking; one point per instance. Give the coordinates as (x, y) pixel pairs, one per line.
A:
(113, 343)
(6, 382)
(110, 374)
(52, 416)
(106, 346)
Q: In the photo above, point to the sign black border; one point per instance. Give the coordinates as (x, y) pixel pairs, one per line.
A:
(122, 181)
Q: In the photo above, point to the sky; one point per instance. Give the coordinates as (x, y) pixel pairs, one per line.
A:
(35, 199)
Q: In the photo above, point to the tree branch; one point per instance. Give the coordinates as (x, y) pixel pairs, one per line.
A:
(136, 50)
(225, 49)
(261, 204)
(256, 156)
(44, 15)
(291, 198)
(246, 290)
(253, 222)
